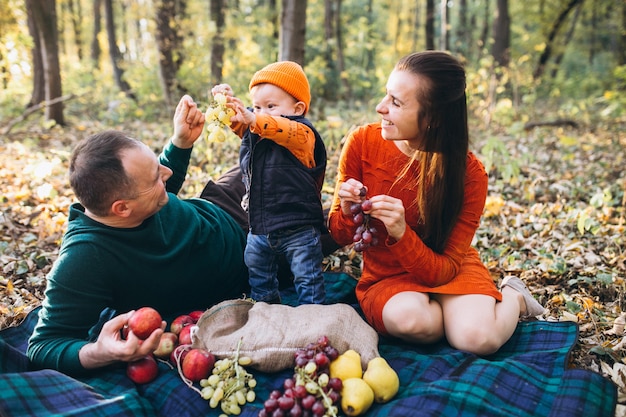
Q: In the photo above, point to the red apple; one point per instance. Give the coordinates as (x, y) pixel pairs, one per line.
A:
(179, 322)
(144, 321)
(195, 315)
(167, 344)
(180, 351)
(198, 364)
(143, 370)
(184, 337)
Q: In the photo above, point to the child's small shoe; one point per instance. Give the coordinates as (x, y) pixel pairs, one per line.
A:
(533, 308)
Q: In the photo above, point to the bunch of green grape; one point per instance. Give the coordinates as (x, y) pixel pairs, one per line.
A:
(218, 119)
(230, 386)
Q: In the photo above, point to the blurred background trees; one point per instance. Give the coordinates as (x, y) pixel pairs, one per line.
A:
(134, 58)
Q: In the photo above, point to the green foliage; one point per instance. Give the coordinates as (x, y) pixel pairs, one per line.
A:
(495, 155)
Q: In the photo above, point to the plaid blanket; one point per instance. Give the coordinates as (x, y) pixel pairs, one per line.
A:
(528, 376)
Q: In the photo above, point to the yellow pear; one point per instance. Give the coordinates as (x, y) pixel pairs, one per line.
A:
(356, 397)
(382, 379)
(347, 365)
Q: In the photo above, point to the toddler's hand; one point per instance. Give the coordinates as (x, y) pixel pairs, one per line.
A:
(222, 88)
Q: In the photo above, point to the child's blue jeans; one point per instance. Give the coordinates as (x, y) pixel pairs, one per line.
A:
(302, 248)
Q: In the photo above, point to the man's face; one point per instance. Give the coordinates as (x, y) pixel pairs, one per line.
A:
(149, 176)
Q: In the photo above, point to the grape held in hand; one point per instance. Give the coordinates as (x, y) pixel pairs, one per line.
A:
(365, 234)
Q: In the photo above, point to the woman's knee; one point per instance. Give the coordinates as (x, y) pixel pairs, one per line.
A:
(413, 322)
(473, 337)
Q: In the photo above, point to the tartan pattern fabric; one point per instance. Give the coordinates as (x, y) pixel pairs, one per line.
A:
(528, 376)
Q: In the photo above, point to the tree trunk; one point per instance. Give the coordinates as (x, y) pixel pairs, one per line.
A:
(97, 27)
(293, 31)
(341, 61)
(556, 26)
(463, 34)
(416, 25)
(568, 38)
(430, 24)
(114, 52)
(275, 20)
(444, 43)
(331, 86)
(4, 72)
(76, 16)
(218, 15)
(39, 91)
(166, 44)
(501, 34)
(369, 55)
(593, 34)
(484, 35)
(44, 15)
(621, 54)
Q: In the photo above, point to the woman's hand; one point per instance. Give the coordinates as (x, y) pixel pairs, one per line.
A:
(110, 347)
(349, 193)
(390, 211)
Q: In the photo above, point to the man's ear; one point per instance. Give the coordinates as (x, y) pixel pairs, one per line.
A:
(121, 208)
(299, 108)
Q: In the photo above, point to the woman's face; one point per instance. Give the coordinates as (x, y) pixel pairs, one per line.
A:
(399, 108)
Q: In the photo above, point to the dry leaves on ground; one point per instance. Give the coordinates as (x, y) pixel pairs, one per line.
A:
(559, 225)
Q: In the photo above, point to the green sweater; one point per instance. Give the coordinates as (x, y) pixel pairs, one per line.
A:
(186, 257)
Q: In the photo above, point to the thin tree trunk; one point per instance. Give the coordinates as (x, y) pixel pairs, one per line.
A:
(369, 54)
(462, 31)
(275, 20)
(416, 25)
(114, 52)
(39, 91)
(97, 27)
(4, 73)
(501, 34)
(568, 38)
(331, 87)
(556, 26)
(621, 54)
(44, 14)
(484, 35)
(76, 17)
(430, 24)
(444, 43)
(218, 16)
(341, 60)
(293, 31)
(166, 42)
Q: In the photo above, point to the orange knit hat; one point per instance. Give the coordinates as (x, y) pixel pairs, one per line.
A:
(287, 75)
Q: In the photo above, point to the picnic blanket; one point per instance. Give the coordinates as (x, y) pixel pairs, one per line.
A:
(528, 376)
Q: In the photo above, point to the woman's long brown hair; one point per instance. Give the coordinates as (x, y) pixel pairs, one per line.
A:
(443, 154)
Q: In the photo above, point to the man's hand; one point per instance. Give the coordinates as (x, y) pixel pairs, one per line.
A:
(188, 123)
(111, 348)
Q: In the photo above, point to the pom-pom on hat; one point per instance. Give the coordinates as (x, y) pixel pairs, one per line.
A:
(287, 75)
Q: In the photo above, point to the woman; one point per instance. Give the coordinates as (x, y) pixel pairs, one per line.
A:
(422, 280)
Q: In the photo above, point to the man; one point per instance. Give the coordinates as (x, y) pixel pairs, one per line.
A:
(131, 243)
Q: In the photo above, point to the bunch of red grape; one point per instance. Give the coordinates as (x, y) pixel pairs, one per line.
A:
(310, 392)
(365, 235)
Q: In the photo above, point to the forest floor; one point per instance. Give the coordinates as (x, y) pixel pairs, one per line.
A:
(559, 223)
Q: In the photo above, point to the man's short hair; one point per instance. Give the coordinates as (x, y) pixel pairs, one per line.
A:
(97, 173)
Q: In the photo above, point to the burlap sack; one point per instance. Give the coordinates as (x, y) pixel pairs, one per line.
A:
(271, 333)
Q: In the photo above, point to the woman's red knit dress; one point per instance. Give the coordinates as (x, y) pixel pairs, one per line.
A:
(408, 264)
